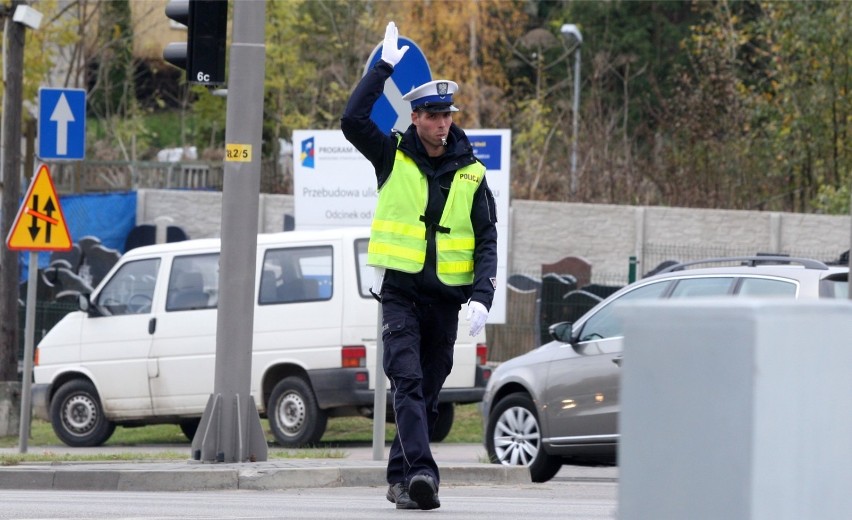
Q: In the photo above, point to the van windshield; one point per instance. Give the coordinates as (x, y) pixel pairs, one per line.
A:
(131, 288)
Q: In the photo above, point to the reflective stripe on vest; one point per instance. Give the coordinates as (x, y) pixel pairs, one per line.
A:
(398, 236)
(455, 249)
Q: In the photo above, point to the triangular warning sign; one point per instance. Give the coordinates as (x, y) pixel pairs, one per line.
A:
(40, 225)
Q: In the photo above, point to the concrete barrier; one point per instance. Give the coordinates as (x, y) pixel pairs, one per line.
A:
(736, 410)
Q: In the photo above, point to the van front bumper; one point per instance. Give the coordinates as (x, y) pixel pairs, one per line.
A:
(41, 401)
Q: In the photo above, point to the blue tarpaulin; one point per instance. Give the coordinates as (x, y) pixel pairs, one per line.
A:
(109, 217)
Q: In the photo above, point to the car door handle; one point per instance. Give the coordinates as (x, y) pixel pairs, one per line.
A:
(617, 360)
(152, 325)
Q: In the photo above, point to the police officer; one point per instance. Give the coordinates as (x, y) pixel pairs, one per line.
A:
(433, 243)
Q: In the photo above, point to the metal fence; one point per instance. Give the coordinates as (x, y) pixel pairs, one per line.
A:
(102, 176)
(657, 254)
(534, 302)
(47, 314)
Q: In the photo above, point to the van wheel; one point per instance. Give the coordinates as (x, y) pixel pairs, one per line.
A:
(189, 427)
(294, 416)
(77, 415)
(446, 414)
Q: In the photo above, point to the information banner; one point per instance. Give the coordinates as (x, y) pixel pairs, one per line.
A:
(335, 186)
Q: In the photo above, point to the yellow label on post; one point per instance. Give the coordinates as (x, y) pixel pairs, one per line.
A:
(238, 152)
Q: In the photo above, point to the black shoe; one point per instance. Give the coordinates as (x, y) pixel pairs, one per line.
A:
(398, 494)
(424, 492)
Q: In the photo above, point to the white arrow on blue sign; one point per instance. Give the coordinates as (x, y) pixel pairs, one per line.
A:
(61, 124)
(390, 111)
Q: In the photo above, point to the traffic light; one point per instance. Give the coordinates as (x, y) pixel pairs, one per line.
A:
(203, 54)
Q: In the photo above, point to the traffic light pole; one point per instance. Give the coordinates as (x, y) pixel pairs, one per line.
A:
(230, 429)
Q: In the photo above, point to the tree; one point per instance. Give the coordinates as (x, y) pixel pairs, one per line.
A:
(631, 50)
(12, 100)
(723, 104)
(112, 78)
(18, 94)
(804, 102)
(763, 108)
(289, 95)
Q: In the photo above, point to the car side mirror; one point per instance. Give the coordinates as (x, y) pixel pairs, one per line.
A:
(561, 331)
(87, 306)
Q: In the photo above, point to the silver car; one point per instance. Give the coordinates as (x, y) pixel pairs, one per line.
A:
(559, 403)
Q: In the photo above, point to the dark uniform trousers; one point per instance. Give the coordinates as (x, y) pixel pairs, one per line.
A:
(418, 356)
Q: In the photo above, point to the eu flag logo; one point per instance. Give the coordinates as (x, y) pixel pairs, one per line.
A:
(308, 153)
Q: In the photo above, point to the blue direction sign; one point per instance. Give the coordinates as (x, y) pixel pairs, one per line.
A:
(390, 111)
(61, 124)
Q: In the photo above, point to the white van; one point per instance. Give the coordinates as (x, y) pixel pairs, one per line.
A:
(142, 349)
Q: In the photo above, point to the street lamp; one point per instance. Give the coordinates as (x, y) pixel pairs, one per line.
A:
(28, 16)
(571, 32)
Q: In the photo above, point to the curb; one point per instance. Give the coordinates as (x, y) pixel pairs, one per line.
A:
(183, 477)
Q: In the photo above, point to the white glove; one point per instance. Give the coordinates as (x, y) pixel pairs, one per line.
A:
(390, 53)
(378, 280)
(477, 314)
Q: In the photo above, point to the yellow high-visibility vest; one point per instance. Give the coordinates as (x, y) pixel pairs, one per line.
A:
(398, 235)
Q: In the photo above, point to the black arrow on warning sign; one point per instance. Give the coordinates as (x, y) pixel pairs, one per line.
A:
(34, 229)
(49, 208)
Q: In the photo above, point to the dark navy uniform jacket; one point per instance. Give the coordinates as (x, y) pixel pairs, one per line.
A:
(380, 150)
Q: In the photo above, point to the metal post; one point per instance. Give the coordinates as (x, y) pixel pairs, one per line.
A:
(575, 134)
(569, 30)
(29, 340)
(230, 429)
(161, 232)
(380, 397)
(631, 270)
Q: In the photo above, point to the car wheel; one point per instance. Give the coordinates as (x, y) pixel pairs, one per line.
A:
(77, 415)
(446, 415)
(513, 438)
(294, 416)
(189, 427)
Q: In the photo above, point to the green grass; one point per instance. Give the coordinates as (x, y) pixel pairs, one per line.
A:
(52, 457)
(340, 433)
(467, 427)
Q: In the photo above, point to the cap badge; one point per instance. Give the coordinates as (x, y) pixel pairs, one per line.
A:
(442, 88)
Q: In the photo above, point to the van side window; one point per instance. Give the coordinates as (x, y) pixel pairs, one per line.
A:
(131, 288)
(193, 283)
(296, 274)
(365, 273)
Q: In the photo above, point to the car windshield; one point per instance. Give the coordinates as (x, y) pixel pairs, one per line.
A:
(603, 324)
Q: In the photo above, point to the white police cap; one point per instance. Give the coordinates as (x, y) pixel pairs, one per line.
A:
(435, 96)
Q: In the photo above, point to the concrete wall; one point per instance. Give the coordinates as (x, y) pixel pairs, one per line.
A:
(199, 213)
(544, 232)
